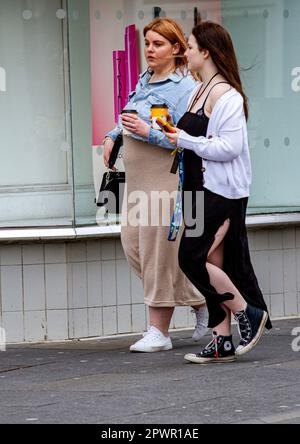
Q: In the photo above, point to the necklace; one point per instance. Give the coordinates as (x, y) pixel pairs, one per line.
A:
(201, 91)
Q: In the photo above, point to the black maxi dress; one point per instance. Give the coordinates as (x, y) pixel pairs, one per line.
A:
(193, 250)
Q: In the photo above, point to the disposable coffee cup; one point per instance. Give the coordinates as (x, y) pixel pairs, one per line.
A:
(128, 111)
(158, 110)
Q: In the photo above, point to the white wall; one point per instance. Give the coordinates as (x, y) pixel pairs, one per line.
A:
(57, 291)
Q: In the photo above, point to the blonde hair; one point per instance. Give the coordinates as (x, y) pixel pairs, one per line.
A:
(172, 31)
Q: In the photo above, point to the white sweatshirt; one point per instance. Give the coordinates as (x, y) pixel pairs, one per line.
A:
(224, 150)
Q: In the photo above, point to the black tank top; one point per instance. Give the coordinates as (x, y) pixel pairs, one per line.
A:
(195, 124)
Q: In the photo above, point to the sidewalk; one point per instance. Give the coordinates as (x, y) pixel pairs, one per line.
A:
(99, 381)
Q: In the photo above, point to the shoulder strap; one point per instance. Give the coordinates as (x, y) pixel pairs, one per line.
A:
(200, 92)
(202, 107)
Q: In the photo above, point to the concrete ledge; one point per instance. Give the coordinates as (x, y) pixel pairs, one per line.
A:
(259, 221)
(275, 220)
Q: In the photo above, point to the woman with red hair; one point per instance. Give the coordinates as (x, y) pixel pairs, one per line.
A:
(147, 164)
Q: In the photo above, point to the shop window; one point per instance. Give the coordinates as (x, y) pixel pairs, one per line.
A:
(35, 146)
(267, 41)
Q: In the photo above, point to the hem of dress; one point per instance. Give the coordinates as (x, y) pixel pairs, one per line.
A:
(174, 304)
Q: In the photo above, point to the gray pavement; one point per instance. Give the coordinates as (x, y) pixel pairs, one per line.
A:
(100, 382)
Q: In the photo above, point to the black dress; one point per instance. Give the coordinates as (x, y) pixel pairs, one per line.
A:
(193, 250)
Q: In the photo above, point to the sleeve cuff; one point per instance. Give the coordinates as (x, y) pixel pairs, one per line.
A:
(188, 142)
(152, 137)
(113, 134)
(181, 141)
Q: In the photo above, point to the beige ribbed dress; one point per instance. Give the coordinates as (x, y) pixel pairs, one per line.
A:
(153, 258)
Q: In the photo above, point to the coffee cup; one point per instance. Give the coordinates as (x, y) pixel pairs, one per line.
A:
(158, 110)
(128, 111)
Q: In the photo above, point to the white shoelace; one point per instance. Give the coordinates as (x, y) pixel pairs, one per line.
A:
(154, 334)
(243, 321)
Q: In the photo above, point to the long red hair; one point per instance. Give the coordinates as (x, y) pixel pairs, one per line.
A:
(216, 39)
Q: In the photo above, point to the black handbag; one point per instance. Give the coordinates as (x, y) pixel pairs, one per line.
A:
(113, 182)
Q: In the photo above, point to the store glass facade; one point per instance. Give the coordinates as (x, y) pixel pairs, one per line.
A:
(57, 99)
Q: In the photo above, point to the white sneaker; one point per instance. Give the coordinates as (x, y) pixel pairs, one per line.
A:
(153, 341)
(201, 322)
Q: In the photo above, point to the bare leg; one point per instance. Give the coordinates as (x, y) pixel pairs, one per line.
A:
(216, 257)
(160, 317)
(224, 328)
(219, 279)
(223, 284)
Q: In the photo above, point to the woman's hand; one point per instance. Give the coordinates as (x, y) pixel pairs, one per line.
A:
(108, 146)
(173, 137)
(135, 125)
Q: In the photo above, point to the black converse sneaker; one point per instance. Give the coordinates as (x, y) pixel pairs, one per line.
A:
(251, 324)
(219, 350)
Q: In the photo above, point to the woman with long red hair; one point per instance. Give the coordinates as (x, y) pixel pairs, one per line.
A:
(216, 164)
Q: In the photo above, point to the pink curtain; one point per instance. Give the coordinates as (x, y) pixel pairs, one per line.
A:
(120, 87)
(131, 59)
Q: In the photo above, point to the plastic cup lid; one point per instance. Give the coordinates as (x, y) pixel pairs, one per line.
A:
(159, 106)
(129, 111)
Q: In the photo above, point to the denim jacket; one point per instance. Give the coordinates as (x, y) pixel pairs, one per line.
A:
(173, 91)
